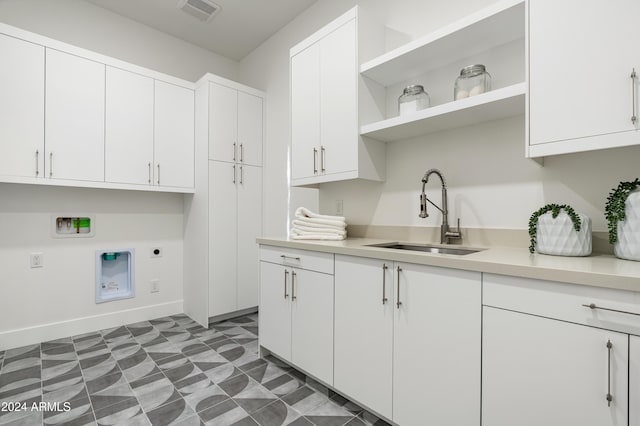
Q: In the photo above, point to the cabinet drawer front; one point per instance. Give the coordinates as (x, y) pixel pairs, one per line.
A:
(565, 302)
(304, 259)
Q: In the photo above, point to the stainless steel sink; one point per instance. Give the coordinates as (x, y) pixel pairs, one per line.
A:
(427, 248)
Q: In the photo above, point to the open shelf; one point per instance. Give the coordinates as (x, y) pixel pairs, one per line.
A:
(493, 26)
(500, 103)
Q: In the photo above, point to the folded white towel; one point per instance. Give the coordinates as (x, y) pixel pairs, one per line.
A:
(325, 237)
(315, 225)
(304, 212)
(310, 231)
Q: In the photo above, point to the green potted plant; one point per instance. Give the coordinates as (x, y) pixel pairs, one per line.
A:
(623, 216)
(556, 229)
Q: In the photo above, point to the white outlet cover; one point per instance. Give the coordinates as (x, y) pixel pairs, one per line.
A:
(36, 260)
(155, 286)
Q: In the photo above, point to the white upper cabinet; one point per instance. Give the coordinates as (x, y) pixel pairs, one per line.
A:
(74, 126)
(174, 135)
(325, 85)
(236, 117)
(128, 128)
(21, 108)
(581, 92)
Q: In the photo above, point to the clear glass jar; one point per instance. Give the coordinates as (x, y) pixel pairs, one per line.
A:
(413, 99)
(472, 81)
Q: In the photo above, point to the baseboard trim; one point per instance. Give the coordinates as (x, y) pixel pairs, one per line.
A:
(57, 330)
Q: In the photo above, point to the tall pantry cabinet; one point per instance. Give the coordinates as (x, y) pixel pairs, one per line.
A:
(224, 216)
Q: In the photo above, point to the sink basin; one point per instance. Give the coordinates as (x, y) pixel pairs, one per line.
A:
(427, 248)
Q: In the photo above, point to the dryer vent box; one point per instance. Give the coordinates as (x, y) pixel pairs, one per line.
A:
(114, 275)
(203, 10)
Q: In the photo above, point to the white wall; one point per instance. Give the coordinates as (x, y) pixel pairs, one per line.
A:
(85, 25)
(491, 184)
(34, 301)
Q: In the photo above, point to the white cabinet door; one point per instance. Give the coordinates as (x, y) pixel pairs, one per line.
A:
(538, 371)
(128, 127)
(579, 77)
(275, 309)
(437, 341)
(364, 331)
(250, 129)
(634, 381)
(305, 112)
(21, 108)
(223, 123)
(174, 135)
(312, 323)
(74, 125)
(222, 238)
(249, 228)
(338, 101)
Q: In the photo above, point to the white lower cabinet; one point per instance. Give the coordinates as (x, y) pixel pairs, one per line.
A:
(634, 381)
(539, 371)
(296, 309)
(414, 357)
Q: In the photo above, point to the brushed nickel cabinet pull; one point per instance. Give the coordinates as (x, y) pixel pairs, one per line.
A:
(322, 159)
(241, 175)
(315, 161)
(241, 153)
(398, 302)
(234, 173)
(293, 286)
(286, 274)
(384, 283)
(149, 181)
(594, 307)
(50, 164)
(634, 118)
(234, 151)
(285, 257)
(37, 165)
(609, 396)
(158, 173)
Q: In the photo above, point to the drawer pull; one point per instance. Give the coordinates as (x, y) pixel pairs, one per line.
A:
(285, 257)
(293, 286)
(384, 283)
(594, 306)
(609, 396)
(634, 118)
(398, 302)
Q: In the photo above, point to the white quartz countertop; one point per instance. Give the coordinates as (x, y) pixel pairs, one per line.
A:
(596, 270)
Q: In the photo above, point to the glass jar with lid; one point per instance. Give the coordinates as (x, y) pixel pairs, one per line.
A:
(473, 80)
(413, 99)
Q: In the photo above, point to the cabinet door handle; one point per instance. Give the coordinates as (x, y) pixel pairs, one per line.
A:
(315, 161)
(634, 118)
(594, 306)
(609, 396)
(398, 302)
(241, 175)
(234, 173)
(241, 153)
(37, 165)
(149, 181)
(50, 164)
(322, 158)
(286, 274)
(293, 286)
(158, 173)
(384, 283)
(234, 151)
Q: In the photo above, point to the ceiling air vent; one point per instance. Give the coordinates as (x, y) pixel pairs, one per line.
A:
(203, 10)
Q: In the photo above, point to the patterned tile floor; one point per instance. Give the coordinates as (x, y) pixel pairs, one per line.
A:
(167, 371)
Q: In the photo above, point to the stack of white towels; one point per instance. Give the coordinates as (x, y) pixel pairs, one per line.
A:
(313, 226)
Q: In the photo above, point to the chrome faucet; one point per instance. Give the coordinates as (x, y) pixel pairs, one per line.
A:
(446, 234)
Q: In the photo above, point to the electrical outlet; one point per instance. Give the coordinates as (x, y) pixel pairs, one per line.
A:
(339, 208)
(37, 260)
(155, 286)
(156, 252)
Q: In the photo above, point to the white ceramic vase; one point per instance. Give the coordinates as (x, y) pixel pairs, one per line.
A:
(558, 237)
(628, 244)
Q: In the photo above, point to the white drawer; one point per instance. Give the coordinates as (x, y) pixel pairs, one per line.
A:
(303, 259)
(564, 302)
